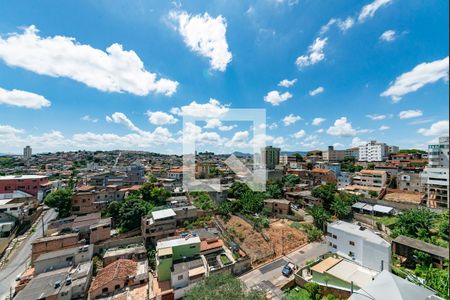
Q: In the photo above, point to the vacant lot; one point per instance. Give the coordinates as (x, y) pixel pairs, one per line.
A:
(280, 238)
(285, 238)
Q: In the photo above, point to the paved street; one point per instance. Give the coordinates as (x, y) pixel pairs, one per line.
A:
(269, 278)
(20, 259)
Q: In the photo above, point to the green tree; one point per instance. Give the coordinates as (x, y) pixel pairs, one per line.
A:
(412, 222)
(131, 212)
(309, 165)
(238, 189)
(299, 157)
(252, 202)
(113, 211)
(373, 194)
(326, 193)
(222, 287)
(371, 166)
(146, 191)
(340, 208)
(320, 215)
(225, 208)
(203, 201)
(61, 200)
(274, 190)
(290, 180)
(313, 290)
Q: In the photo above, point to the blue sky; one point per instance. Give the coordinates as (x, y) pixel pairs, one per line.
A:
(379, 70)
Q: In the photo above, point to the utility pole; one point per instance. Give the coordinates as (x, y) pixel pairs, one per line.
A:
(43, 229)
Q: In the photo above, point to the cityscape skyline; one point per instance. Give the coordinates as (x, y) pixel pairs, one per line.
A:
(338, 75)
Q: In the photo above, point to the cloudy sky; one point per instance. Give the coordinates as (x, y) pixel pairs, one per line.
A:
(123, 74)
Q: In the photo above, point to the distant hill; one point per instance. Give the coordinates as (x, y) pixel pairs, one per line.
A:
(302, 153)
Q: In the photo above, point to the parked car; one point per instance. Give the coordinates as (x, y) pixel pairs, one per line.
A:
(288, 269)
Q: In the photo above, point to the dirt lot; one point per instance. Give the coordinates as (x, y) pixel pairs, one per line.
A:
(285, 238)
(254, 243)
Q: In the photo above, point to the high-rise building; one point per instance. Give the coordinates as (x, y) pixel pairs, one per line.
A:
(270, 157)
(375, 151)
(339, 155)
(27, 152)
(435, 177)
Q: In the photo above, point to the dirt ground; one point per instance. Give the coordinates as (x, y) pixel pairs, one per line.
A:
(254, 244)
(285, 238)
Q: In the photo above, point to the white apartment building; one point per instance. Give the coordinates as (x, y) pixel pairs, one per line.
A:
(375, 151)
(359, 244)
(27, 152)
(436, 176)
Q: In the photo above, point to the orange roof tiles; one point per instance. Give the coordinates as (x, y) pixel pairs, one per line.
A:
(208, 245)
(119, 270)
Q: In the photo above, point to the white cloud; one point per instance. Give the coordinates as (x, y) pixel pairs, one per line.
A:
(22, 98)
(346, 24)
(299, 134)
(239, 140)
(384, 127)
(194, 133)
(376, 117)
(115, 70)
(311, 141)
(369, 10)
(121, 118)
(288, 2)
(205, 35)
(290, 119)
(320, 130)
(338, 145)
(287, 83)
(88, 118)
(388, 36)
(439, 128)
(316, 91)
(160, 118)
(356, 142)
(318, 121)
(421, 75)
(343, 25)
(216, 123)
(342, 128)
(408, 114)
(211, 109)
(275, 98)
(315, 53)
(6, 130)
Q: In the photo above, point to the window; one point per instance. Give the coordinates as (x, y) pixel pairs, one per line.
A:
(105, 290)
(334, 246)
(351, 254)
(352, 243)
(117, 286)
(334, 236)
(180, 277)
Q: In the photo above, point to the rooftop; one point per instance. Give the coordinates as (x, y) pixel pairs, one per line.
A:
(177, 242)
(121, 269)
(283, 201)
(354, 229)
(163, 213)
(119, 251)
(55, 238)
(12, 177)
(62, 252)
(349, 271)
(422, 246)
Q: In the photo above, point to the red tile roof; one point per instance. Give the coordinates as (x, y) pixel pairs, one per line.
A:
(121, 269)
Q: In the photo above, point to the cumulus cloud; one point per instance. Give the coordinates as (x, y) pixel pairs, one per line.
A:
(316, 91)
(388, 36)
(299, 134)
(421, 75)
(22, 98)
(343, 25)
(291, 119)
(160, 118)
(314, 55)
(408, 114)
(369, 10)
(384, 127)
(275, 98)
(88, 118)
(342, 128)
(115, 70)
(194, 134)
(318, 121)
(356, 142)
(376, 117)
(216, 123)
(439, 128)
(211, 109)
(287, 83)
(205, 35)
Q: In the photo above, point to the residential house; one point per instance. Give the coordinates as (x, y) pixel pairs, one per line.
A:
(133, 252)
(359, 244)
(115, 277)
(161, 224)
(63, 258)
(277, 206)
(30, 184)
(53, 243)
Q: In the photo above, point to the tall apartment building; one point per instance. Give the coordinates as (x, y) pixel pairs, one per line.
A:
(270, 157)
(359, 244)
(27, 152)
(436, 175)
(339, 155)
(375, 151)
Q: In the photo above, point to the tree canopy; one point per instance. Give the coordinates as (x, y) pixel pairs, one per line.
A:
(326, 193)
(61, 200)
